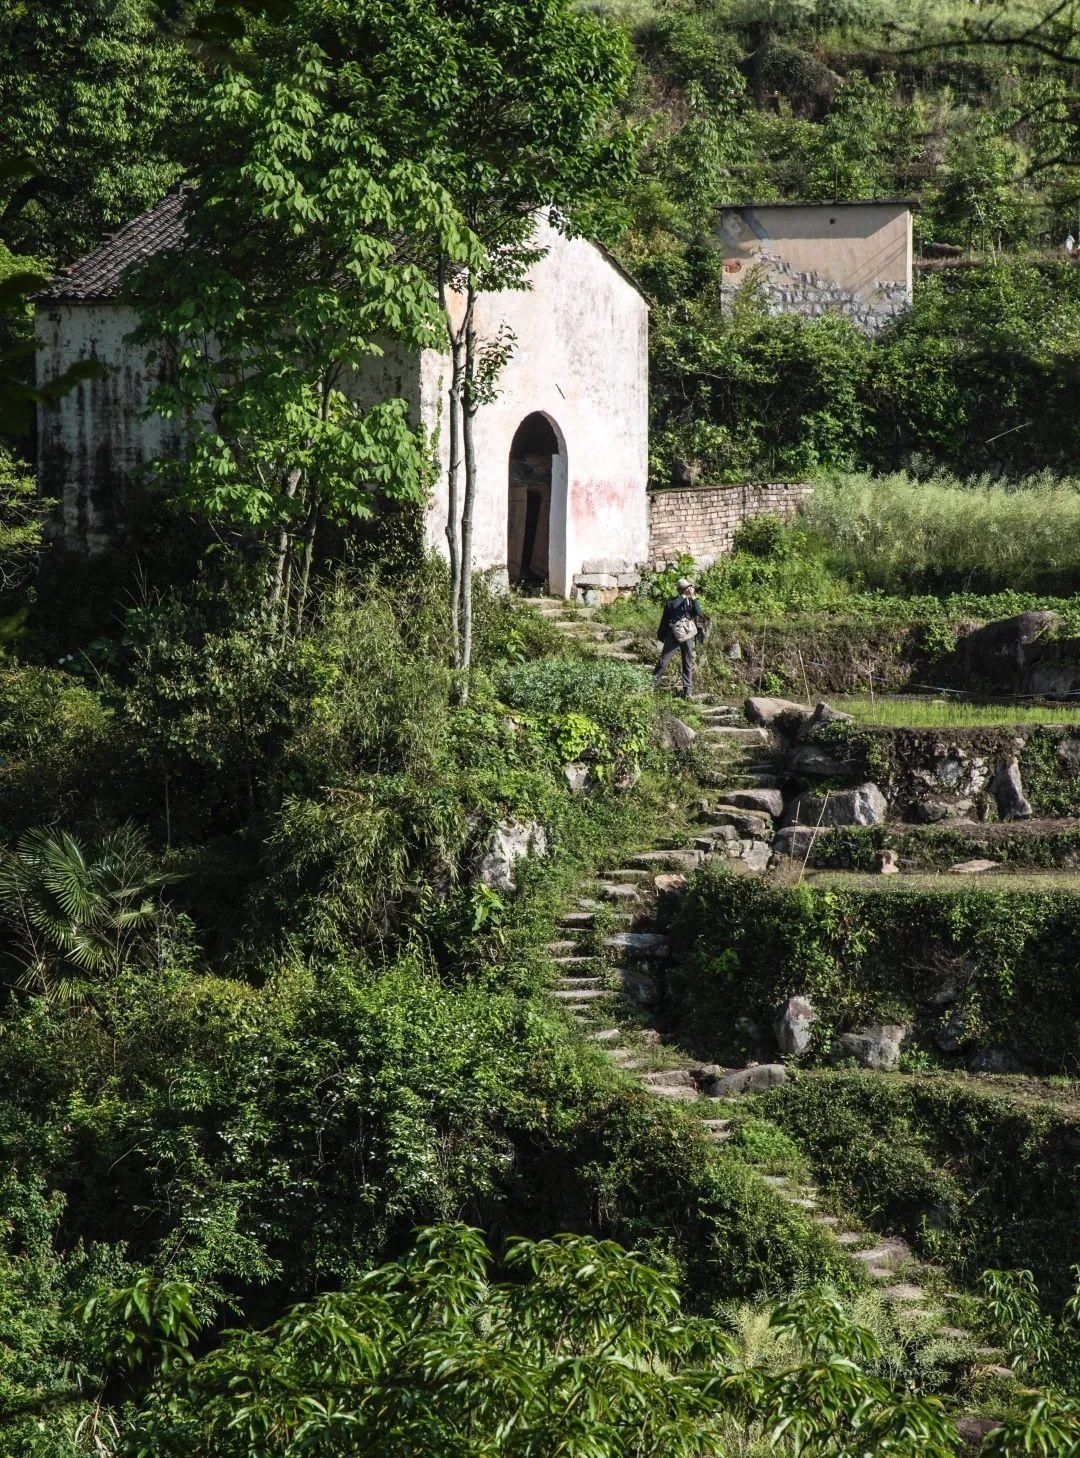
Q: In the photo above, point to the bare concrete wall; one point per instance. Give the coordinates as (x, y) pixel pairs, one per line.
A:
(93, 444)
(854, 259)
(701, 521)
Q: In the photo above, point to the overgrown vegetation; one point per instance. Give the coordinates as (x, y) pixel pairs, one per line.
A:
(975, 967)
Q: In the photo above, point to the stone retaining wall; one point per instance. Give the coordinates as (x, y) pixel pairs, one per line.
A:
(701, 520)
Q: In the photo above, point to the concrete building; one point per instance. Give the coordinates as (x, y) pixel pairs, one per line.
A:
(851, 258)
(562, 451)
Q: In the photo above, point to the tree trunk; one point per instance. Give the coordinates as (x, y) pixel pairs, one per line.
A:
(310, 527)
(470, 407)
(277, 581)
(453, 505)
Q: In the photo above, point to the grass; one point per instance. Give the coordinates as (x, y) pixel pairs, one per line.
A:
(947, 882)
(897, 533)
(919, 713)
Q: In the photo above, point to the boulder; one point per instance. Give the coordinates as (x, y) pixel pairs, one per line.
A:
(875, 1046)
(669, 884)
(825, 714)
(509, 842)
(993, 1060)
(793, 1025)
(794, 841)
(756, 855)
(1008, 790)
(811, 759)
(577, 776)
(887, 863)
(745, 822)
(674, 734)
(862, 805)
(999, 655)
(951, 1036)
(931, 811)
(765, 711)
(760, 802)
(757, 1077)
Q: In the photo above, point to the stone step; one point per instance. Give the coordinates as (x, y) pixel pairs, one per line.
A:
(638, 944)
(581, 994)
(573, 960)
(669, 1078)
(569, 982)
(562, 948)
(629, 873)
(721, 734)
(905, 1293)
(617, 653)
(609, 1037)
(682, 859)
(582, 920)
(617, 890)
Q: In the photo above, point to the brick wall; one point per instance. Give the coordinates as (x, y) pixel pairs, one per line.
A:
(701, 520)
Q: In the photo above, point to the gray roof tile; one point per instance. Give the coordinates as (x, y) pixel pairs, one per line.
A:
(100, 274)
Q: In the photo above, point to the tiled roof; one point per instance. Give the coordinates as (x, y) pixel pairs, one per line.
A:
(100, 274)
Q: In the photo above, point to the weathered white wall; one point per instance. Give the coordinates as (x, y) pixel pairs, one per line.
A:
(854, 259)
(94, 442)
(581, 359)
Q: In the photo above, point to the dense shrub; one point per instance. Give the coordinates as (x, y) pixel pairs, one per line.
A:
(977, 1177)
(584, 704)
(1001, 959)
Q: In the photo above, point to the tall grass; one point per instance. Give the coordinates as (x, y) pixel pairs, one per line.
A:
(900, 534)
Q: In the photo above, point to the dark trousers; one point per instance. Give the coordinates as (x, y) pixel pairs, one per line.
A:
(670, 648)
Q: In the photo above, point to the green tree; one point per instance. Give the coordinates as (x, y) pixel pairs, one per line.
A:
(302, 266)
(511, 105)
(97, 98)
(583, 1350)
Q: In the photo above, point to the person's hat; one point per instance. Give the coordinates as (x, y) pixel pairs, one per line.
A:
(683, 582)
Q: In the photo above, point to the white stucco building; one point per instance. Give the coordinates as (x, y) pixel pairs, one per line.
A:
(562, 452)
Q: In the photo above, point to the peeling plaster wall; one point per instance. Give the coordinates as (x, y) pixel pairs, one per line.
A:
(93, 443)
(581, 358)
(854, 260)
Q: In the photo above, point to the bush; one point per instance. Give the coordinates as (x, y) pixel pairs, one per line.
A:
(865, 955)
(584, 704)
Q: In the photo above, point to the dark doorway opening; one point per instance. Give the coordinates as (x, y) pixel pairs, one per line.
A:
(528, 524)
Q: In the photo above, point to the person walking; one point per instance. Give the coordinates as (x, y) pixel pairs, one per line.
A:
(679, 626)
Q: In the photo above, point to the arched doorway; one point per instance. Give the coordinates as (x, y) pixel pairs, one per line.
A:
(533, 455)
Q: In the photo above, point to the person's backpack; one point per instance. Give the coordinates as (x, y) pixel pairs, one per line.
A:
(683, 630)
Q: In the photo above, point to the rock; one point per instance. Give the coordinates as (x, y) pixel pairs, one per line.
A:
(626, 779)
(577, 776)
(888, 863)
(993, 1060)
(811, 759)
(734, 651)
(793, 1025)
(875, 1046)
(1008, 790)
(765, 711)
(669, 884)
(951, 1036)
(674, 734)
(974, 1429)
(794, 841)
(1068, 755)
(650, 1038)
(764, 802)
(745, 822)
(509, 842)
(823, 714)
(931, 811)
(863, 805)
(999, 655)
(756, 854)
(973, 868)
(754, 1079)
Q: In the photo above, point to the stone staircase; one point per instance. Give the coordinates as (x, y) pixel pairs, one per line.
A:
(609, 956)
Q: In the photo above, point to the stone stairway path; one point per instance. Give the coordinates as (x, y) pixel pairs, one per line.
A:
(608, 959)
